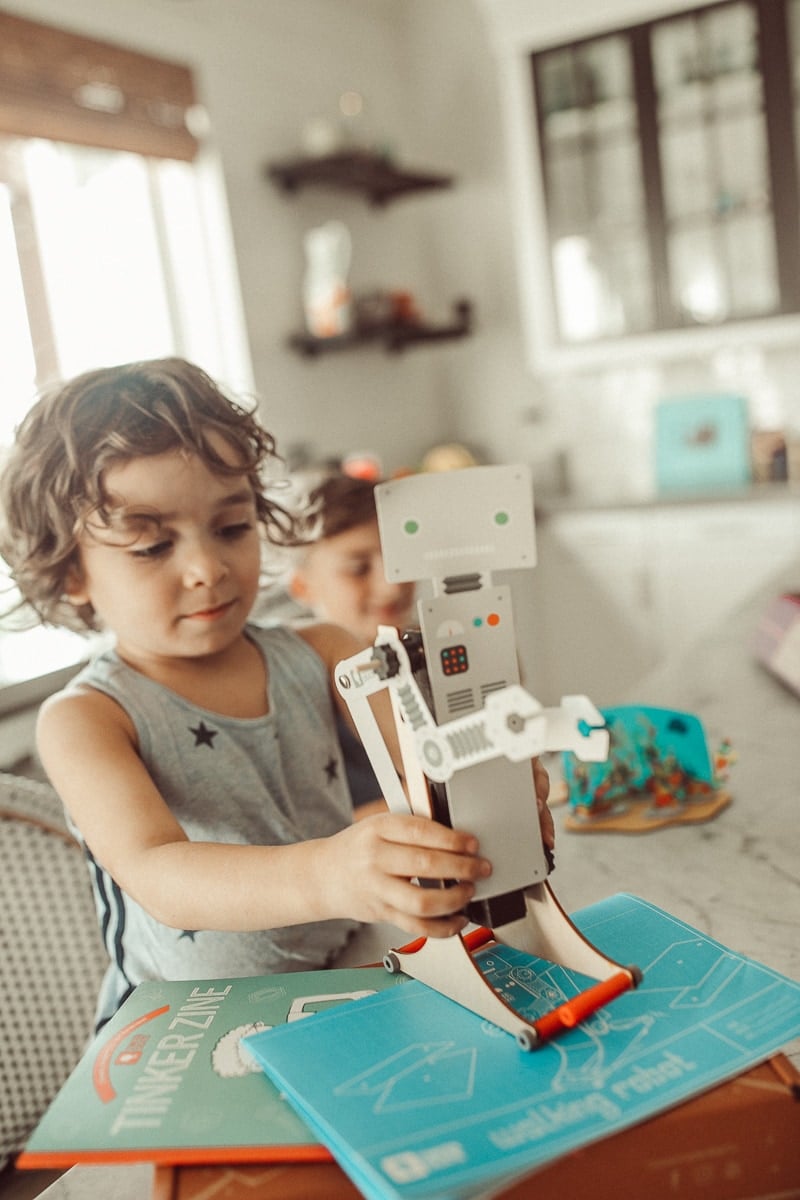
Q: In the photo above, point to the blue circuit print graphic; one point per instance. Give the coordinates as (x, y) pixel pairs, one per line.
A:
(420, 1098)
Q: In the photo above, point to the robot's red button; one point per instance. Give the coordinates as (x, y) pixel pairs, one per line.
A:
(493, 619)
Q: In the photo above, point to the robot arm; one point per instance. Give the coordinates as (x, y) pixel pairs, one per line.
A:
(512, 723)
(358, 678)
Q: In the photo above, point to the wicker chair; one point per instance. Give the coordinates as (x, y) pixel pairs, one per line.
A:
(51, 956)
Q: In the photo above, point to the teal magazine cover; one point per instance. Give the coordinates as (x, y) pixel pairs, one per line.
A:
(418, 1098)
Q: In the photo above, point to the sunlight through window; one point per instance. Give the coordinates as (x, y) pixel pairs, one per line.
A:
(97, 238)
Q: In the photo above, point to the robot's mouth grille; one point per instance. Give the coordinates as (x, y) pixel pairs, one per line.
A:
(460, 551)
(462, 583)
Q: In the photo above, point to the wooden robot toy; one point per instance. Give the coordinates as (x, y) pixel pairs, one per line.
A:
(468, 730)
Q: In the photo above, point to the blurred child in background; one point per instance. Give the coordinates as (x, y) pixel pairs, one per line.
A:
(339, 577)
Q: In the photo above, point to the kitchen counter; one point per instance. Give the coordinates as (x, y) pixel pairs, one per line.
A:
(736, 878)
(548, 502)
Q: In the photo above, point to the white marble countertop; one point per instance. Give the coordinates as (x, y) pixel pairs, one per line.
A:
(737, 878)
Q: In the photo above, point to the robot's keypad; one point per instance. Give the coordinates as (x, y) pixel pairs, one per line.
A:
(454, 660)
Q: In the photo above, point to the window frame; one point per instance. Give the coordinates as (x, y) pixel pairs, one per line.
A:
(547, 350)
(774, 72)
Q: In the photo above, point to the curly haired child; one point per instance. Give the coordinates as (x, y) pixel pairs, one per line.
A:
(197, 759)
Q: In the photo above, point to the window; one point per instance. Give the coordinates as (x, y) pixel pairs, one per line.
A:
(105, 257)
(669, 164)
(108, 253)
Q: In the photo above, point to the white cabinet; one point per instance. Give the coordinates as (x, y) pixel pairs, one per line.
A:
(594, 630)
(705, 560)
(618, 591)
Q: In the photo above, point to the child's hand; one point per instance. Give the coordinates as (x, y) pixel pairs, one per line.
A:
(541, 782)
(369, 867)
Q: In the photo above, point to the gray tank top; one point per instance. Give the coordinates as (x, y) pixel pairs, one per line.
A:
(270, 780)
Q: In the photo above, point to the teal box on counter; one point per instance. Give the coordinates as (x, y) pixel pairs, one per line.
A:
(702, 442)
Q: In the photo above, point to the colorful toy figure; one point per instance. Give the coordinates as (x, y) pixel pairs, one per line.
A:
(658, 772)
(468, 729)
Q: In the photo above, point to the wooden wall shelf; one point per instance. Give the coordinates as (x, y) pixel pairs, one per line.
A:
(373, 175)
(395, 336)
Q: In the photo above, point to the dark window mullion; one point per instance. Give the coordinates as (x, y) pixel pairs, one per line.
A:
(666, 316)
(31, 272)
(544, 160)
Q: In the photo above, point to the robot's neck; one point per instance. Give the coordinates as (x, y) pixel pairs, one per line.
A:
(451, 585)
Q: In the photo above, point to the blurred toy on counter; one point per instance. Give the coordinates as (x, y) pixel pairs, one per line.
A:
(362, 464)
(659, 772)
(450, 456)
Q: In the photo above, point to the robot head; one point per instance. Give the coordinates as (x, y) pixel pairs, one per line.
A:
(448, 523)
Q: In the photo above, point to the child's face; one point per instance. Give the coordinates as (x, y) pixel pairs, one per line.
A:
(180, 586)
(342, 580)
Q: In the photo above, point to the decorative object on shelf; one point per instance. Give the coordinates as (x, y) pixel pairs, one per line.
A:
(374, 175)
(326, 296)
(375, 310)
(347, 128)
(448, 456)
(769, 456)
(388, 317)
(702, 443)
(395, 334)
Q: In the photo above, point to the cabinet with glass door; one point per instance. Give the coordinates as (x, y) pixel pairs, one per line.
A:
(669, 155)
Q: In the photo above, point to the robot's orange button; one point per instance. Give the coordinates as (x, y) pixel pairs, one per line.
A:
(493, 619)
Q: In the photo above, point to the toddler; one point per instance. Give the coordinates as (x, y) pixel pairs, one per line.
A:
(197, 759)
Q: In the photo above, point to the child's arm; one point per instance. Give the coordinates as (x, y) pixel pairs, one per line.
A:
(88, 747)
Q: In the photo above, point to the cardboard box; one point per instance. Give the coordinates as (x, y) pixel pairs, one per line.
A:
(740, 1141)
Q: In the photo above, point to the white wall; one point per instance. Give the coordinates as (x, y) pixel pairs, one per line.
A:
(456, 113)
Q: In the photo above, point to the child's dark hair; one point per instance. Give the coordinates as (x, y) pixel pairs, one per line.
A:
(52, 480)
(341, 502)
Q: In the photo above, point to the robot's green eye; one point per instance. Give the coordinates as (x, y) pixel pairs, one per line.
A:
(501, 518)
(411, 527)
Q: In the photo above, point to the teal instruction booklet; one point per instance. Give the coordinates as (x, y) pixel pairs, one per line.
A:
(418, 1098)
